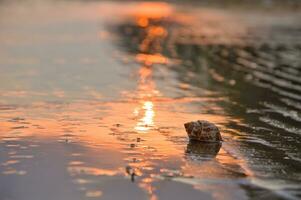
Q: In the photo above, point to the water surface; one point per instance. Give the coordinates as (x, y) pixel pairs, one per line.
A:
(93, 98)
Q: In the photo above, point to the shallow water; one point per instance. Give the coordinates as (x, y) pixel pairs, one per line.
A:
(94, 97)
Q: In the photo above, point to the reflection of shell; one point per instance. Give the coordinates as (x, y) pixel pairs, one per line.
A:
(203, 131)
(201, 149)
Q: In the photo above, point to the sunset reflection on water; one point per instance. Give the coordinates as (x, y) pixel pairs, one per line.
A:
(149, 55)
(147, 120)
(101, 123)
(151, 116)
(146, 91)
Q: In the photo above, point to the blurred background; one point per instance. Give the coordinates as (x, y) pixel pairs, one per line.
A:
(94, 95)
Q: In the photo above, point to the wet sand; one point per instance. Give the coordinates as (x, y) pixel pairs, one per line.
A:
(93, 98)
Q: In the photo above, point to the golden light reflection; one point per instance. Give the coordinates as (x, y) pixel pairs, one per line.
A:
(146, 122)
(150, 10)
(150, 59)
(150, 54)
(159, 140)
(145, 113)
(75, 170)
(142, 22)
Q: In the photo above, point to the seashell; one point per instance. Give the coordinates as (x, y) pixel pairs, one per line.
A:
(203, 131)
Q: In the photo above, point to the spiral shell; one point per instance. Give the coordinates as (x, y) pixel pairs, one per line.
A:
(203, 131)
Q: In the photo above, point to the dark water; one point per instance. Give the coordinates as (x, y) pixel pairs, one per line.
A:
(94, 97)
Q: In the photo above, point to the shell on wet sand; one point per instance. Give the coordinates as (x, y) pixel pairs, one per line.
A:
(203, 131)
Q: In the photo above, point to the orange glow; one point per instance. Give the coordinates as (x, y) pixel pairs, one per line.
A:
(142, 22)
(147, 121)
(75, 170)
(157, 31)
(141, 129)
(152, 10)
(150, 59)
(153, 39)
